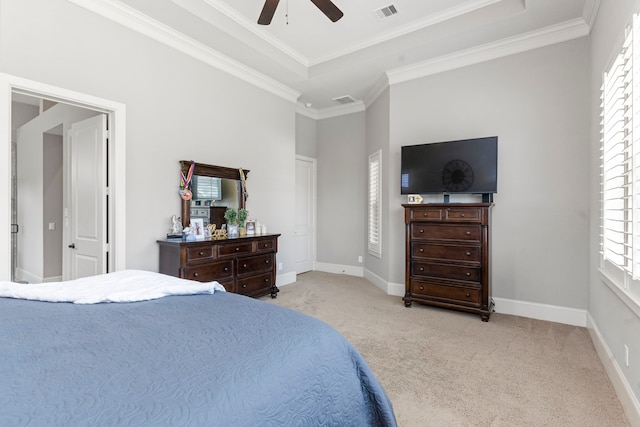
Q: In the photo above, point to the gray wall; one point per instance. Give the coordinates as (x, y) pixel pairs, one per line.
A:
(377, 131)
(177, 108)
(537, 104)
(613, 319)
(52, 177)
(342, 163)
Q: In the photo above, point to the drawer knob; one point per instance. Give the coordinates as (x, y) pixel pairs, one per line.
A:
(195, 274)
(421, 268)
(462, 215)
(421, 230)
(265, 245)
(266, 280)
(468, 294)
(244, 265)
(468, 253)
(244, 285)
(421, 249)
(422, 288)
(237, 249)
(200, 253)
(425, 214)
(468, 233)
(226, 269)
(467, 274)
(266, 261)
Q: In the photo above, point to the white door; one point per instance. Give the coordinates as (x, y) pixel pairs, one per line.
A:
(305, 214)
(87, 245)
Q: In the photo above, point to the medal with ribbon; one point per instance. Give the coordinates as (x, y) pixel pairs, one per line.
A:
(185, 182)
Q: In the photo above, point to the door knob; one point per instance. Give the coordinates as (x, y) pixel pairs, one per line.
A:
(72, 246)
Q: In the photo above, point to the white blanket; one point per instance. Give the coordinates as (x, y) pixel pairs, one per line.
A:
(121, 286)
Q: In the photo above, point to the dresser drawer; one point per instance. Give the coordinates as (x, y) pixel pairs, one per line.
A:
(461, 253)
(463, 214)
(254, 284)
(199, 253)
(265, 245)
(445, 232)
(209, 272)
(459, 295)
(446, 271)
(252, 264)
(232, 250)
(424, 214)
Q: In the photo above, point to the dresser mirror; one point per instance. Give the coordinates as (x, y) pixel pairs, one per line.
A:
(228, 190)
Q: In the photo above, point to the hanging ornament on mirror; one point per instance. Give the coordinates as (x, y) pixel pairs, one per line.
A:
(185, 182)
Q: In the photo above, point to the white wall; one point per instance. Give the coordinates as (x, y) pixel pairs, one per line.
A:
(178, 108)
(614, 320)
(537, 104)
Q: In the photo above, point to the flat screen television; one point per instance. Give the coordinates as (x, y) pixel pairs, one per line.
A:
(468, 166)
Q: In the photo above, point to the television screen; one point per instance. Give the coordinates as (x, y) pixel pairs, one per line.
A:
(463, 166)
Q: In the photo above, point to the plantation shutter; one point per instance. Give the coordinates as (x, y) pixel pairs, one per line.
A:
(375, 209)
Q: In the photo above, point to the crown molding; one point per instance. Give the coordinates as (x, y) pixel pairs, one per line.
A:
(559, 33)
(129, 17)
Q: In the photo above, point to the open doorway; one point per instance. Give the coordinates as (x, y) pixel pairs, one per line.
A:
(49, 206)
(114, 114)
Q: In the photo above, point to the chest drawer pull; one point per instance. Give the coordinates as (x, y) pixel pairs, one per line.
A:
(468, 295)
(468, 253)
(421, 249)
(421, 230)
(266, 280)
(244, 285)
(200, 253)
(237, 249)
(468, 233)
(462, 216)
(195, 274)
(266, 261)
(467, 274)
(422, 288)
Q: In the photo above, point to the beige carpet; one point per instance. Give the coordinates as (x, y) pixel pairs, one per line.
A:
(444, 368)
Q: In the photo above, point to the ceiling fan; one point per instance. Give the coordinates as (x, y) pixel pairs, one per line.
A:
(325, 6)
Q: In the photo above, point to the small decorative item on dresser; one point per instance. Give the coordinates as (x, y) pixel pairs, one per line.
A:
(197, 228)
(251, 228)
(415, 199)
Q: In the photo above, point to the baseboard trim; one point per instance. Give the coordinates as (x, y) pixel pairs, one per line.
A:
(395, 289)
(286, 278)
(25, 276)
(551, 313)
(339, 269)
(623, 390)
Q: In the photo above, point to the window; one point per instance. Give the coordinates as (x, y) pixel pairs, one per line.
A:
(620, 167)
(375, 199)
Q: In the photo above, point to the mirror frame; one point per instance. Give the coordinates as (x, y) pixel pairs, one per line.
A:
(203, 169)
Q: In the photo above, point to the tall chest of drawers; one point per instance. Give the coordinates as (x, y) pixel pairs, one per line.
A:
(447, 256)
(243, 265)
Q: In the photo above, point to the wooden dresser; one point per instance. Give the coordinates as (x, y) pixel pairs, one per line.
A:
(447, 256)
(243, 265)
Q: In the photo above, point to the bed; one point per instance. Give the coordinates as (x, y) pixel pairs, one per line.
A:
(194, 356)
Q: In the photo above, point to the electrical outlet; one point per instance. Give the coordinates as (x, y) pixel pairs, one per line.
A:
(360, 259)
(279, 266)
(626, 355)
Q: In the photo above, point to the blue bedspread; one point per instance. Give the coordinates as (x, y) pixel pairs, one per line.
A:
(200, 360)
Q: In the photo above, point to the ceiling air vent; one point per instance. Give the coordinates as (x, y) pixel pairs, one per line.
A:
(347, 99)
(386, 12)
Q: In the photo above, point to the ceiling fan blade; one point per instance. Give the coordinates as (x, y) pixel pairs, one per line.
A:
(267, 12)
(329, 9)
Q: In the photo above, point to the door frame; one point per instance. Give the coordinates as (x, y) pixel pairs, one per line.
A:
(116, 113)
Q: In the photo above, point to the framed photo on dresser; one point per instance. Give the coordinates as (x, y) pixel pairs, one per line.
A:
(197, 227)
